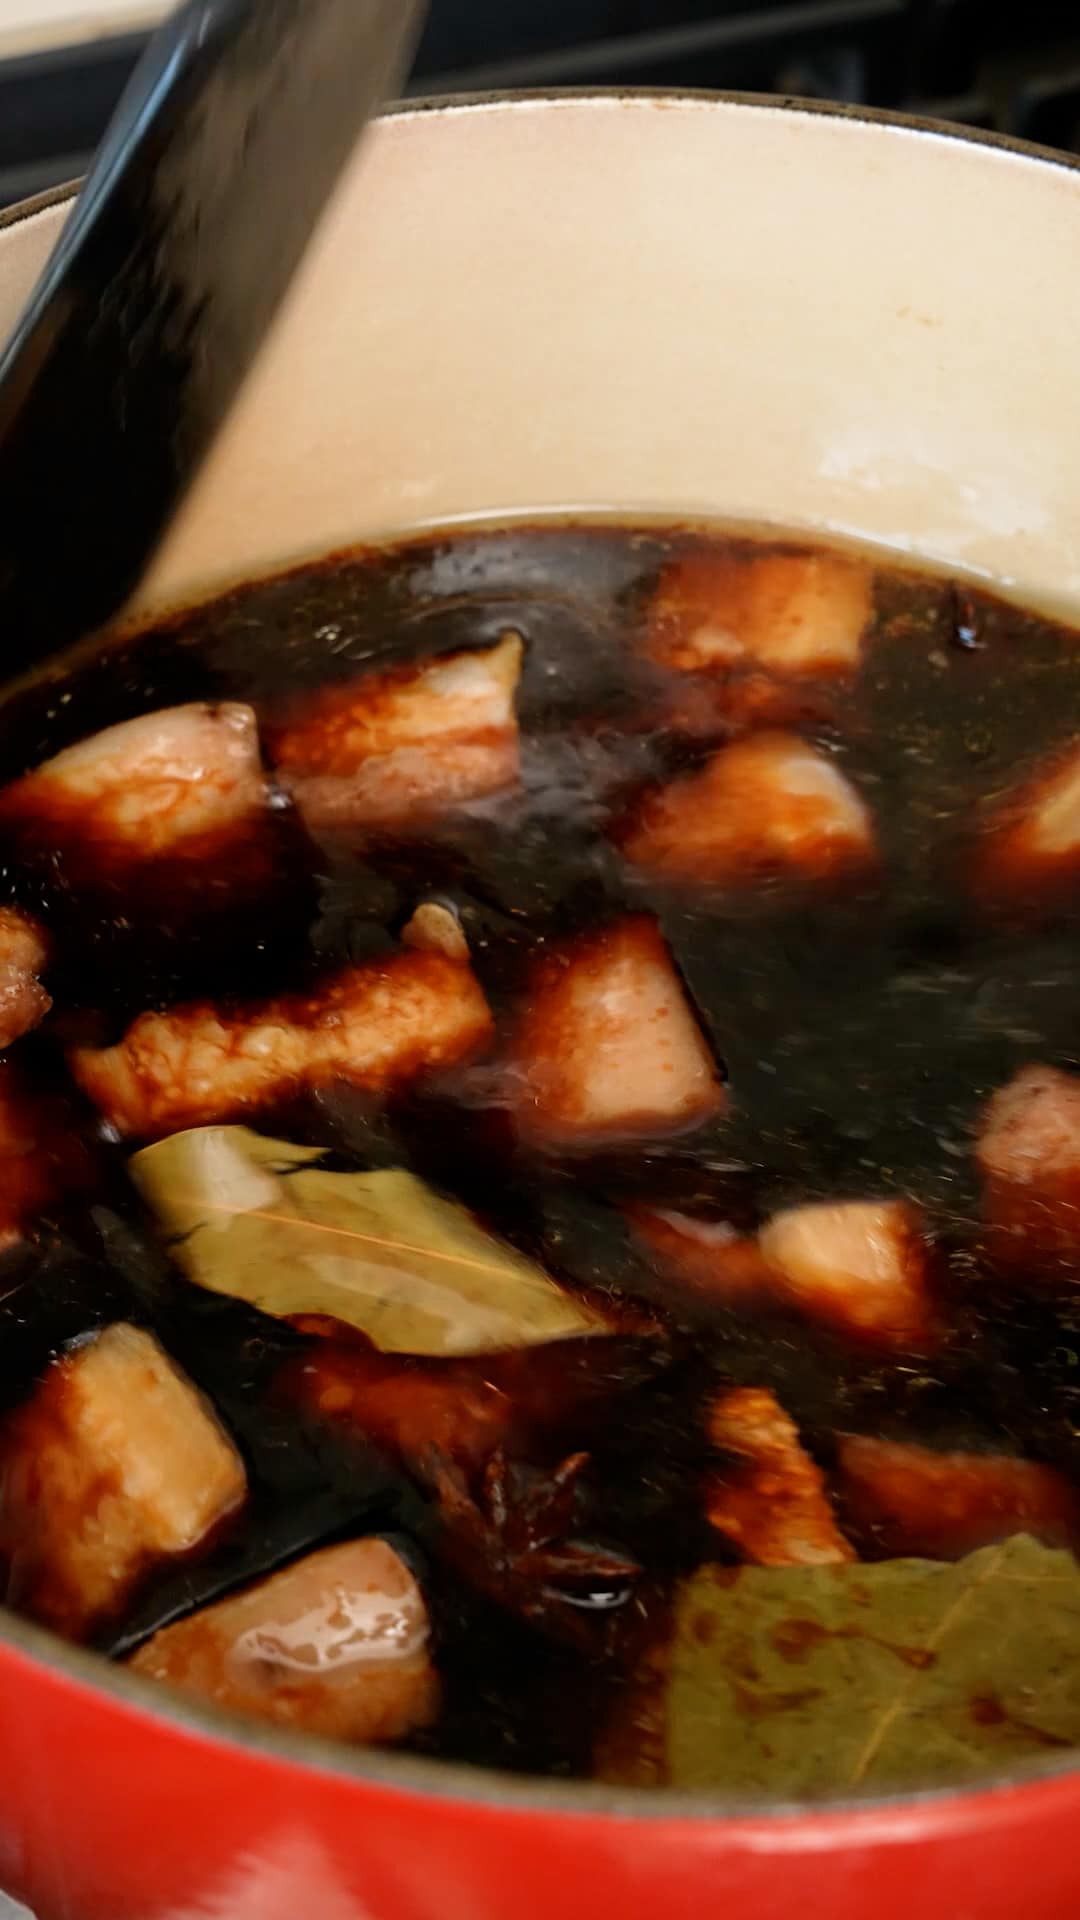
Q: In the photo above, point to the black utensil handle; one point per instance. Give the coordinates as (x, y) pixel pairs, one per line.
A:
(200, 203)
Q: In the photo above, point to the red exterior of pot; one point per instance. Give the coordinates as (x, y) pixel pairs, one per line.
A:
(111, 1813)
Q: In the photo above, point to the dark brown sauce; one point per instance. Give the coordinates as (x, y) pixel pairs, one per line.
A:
(861, 1033)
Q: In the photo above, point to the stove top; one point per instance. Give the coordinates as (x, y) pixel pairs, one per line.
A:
(981, 62)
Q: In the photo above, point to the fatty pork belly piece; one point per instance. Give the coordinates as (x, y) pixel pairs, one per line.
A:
(771, 1503)
(24, 952)
(184, 785)
(707, 1259)
(767, 807)
(912, 1500)
(749, 631)
(374, 1026)
(465, 1409)
(402, 747)
(336, 1644)
(469, 1433)
(1029, 1157)
(415, 1411)
(114, 1464)
(860, 1266)
(1029, 852)
(608, 1046)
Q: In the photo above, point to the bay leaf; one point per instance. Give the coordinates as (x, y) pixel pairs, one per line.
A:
(382, 1251)
(804, 1681)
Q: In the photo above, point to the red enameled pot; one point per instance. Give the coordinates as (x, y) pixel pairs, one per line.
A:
(645, 304)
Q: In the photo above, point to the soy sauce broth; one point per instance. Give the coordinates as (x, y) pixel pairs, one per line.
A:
(860, 1029)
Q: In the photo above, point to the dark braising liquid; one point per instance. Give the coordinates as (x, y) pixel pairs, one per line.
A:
(861, 1029)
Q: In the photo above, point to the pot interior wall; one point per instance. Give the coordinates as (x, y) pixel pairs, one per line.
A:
(661, 305)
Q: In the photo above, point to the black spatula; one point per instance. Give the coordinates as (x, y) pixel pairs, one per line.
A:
(194, 217)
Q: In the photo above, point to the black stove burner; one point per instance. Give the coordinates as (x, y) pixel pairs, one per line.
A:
(985, 63)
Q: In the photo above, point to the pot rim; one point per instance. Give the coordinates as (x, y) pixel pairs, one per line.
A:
(487, 99)
(875, 1815)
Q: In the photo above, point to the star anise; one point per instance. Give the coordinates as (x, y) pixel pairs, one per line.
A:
(513, 1541)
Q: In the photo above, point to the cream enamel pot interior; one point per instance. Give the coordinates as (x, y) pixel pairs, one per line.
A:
(643, 304)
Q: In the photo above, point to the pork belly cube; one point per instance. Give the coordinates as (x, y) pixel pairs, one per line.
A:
(1029, 1157)
(771, 1504)
(609, 1045)
(186, 782)
(465, 1408)
(767, 806)
(707, 1258)
(793, 613)
(402, 747)
(374, 1026)
(336, 1644)
(415, 1409)
(23, 954)
(913, 1500)
(1030, 847)
(860, 1266)
(115, 1464)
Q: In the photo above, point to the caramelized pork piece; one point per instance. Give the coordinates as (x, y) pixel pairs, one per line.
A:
(1030, 848)
(114, 1464)
(464, 1410)
(336, 1644)
(185, 784)
(404, 746)
(769, 805)
(796, 612)
(413, 1409)
(750, 631)
(608, 1046)
(772, 1503)
(709, 1258)
(912, 1500)
(23, 954)
(43, 1157)
(1029, 1157)
(860, 1266)
(374, 1026)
